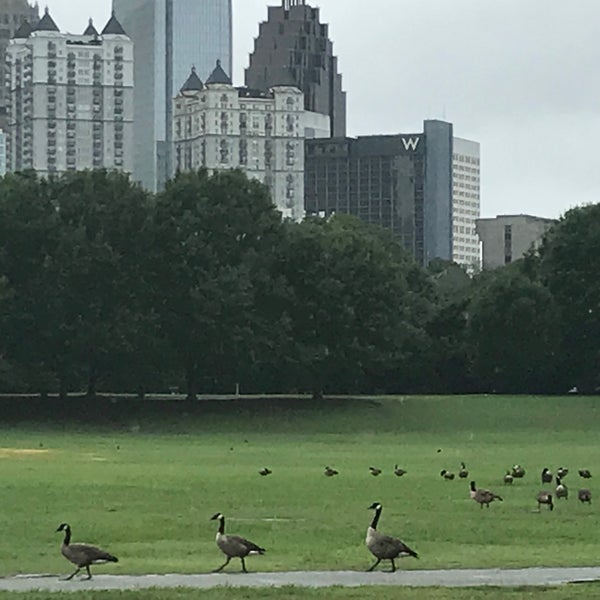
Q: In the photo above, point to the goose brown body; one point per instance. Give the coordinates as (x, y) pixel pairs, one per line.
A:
(384, 546)
(482, 496)
(584, 495)
(82, 555)
(233, 546)
(545, 497)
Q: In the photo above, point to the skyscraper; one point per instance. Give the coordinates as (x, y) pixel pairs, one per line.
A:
(71, 98)
(169, 36)
(13, 13)
(293, 48)
(402, 182)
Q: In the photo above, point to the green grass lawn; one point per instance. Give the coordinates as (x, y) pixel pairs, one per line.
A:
(144, 483)
(571, 592)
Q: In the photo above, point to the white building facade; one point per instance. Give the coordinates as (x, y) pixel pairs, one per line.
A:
(218, 126)
(466, 204)
(71, 99)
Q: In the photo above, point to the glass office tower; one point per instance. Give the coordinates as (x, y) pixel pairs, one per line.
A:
(169, 36)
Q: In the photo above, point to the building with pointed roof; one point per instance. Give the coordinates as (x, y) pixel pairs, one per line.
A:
(219, 126)
(293, 48)
(16, 19)
(169, 36)
(71, 99)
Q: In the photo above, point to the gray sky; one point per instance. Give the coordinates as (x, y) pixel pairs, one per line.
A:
(520, 77)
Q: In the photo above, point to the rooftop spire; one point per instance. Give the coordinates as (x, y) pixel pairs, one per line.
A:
(90, 29)
(218, 75)
(113, 27)
(46, 23)
(193, 83)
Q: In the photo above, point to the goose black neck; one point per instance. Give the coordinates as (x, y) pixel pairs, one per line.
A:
(376, 517)
(222, 525)
(67, 539)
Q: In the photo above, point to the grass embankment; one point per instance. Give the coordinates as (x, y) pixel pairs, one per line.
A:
(589, 591)
(145, 485)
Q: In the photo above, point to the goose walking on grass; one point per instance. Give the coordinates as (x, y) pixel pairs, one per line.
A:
(584, 495)
(233, 546)
(546, 475)
(82, 555)
(518, 472)
(329, 472)
(508, 478)
(482, 496)
(561, 489)
(447, 475)
(399, 472)
(585, 473)
(375, 471)
(265, 471)
(384, 546)
(545, 497)
(463, 473)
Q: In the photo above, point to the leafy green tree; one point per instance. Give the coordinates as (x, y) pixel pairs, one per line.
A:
(569, 266)
(212, 236)
(352, 307)
(512, 332)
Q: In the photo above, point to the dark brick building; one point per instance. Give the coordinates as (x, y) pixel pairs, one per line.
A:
(293, 48)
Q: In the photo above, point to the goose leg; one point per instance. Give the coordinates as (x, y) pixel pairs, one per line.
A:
(378, 561)
(72, 574)
(243, 564)
(393, 565)
(87, 568)
(223, 565)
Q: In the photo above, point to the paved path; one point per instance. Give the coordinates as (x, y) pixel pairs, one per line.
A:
(451, 578)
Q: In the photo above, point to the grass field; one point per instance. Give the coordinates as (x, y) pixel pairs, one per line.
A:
(143, 482)
(572, 592)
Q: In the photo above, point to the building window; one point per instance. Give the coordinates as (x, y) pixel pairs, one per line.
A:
(507, 244)
(223, 152)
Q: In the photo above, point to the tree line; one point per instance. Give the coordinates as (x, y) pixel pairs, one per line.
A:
(104, 286)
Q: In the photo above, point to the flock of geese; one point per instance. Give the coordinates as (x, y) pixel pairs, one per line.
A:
(381, 546)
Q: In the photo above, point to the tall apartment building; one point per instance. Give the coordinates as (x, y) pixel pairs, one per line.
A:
(13, 13)
(402, 182)
(71, 98)
(169, 36)
(218, 126)
(507, 238)
(293, 49)
(466, 202)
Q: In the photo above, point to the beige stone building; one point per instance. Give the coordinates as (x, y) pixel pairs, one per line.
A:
(507, 238)
(70, 98)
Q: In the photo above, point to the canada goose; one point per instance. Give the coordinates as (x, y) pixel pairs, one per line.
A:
(375, 472)
(265, 471)
(544, 497)
(584, 495)
(463, 473)
(447, 475)
(561, 489)
(233, 546)
(546, 475)
(329, 472)
(82, 555)
(508, 478)
(562, 472)
(482, 496)
(585, 473)
(399, 472)
(384, 546)
(518, 472)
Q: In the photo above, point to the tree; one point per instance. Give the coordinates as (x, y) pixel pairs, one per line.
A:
(512, 333)
(212, 235)
(351, 307)
(568, 265)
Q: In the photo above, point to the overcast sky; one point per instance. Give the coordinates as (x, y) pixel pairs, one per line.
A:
(518, 76)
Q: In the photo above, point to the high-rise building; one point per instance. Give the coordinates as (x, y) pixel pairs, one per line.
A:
(466, 201)
(169, 36)
(507, 238)
(71, 98)
(293, 48)
(13, 13)
(402, 182)
(218, 126)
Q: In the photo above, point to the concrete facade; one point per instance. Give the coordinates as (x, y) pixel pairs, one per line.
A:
(71, 99)
(13, 13)
(466, 204)
(507, 238)
(402, 182)
(170, 36)
(218, 126)
(293, 48)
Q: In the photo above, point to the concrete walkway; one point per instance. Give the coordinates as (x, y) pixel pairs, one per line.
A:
(314, 579)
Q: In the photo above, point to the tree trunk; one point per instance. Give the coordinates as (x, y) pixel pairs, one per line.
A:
(191, 382)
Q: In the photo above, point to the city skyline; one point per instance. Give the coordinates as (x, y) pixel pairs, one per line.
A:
(498, 75)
